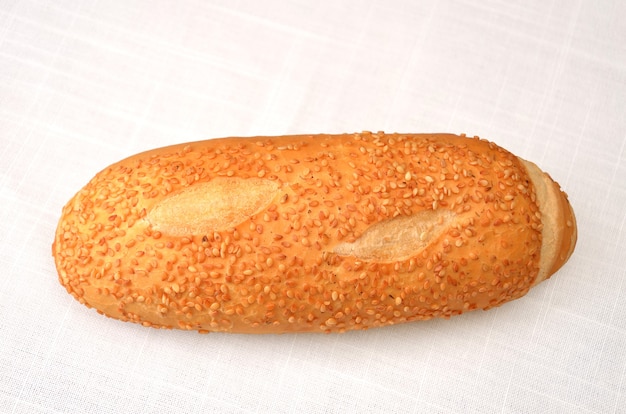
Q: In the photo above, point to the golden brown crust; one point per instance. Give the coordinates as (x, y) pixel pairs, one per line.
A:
(303, 233)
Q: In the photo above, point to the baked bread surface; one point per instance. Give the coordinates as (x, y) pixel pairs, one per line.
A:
(311, 233)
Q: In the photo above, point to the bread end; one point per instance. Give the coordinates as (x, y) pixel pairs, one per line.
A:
(559, 232)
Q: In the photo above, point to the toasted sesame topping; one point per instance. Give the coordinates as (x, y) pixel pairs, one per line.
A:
(313, 233)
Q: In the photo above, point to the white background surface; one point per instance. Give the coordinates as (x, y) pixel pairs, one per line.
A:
(86, 83)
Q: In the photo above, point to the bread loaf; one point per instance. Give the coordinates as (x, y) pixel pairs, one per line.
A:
(311, 233)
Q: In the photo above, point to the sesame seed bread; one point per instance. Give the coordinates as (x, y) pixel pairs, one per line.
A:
(311, 233)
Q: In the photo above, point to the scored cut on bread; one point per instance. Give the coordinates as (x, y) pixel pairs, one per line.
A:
(312, 233)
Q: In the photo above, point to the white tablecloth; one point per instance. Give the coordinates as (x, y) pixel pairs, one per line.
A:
(86, 83)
